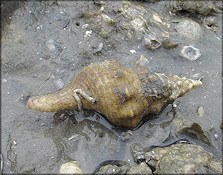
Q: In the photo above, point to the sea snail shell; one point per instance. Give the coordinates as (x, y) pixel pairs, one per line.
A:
(122, 94)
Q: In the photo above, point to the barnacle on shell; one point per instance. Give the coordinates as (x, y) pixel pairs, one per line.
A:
(122, 94)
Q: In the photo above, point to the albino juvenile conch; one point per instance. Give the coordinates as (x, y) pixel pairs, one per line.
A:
(122, 94)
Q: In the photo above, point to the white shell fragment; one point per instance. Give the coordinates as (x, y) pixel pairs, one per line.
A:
(190, 52)
(70, 168)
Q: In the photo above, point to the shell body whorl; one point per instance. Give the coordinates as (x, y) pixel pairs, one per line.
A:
(122, 94)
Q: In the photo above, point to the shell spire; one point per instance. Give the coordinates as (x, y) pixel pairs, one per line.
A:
(160, 89)
(122, 94)
(180, 86)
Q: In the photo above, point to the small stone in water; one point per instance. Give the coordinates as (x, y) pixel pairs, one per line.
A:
(200, 111)
(59, 84)
(126, 136)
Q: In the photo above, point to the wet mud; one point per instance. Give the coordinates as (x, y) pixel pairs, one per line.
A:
(45, 44)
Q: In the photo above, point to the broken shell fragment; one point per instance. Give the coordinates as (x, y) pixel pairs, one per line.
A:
(122, 94)
(190, 52)
(152, 42)
(70, 168)
(168, 44)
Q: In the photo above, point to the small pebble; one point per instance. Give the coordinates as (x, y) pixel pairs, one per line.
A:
(99, 48)
(54, 48)
(132, 51)
(66, 23)
(216, 136)
(85, 26)
(59, 84)
(200, 111)
(88, 33)
(4, 80)
(142, 61)
(58, 18)
(126, 136)
(50, 45)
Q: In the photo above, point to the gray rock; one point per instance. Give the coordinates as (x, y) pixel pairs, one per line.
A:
(183, 126)
(137, 152)
(189, 29)
(184, 158)
(142, 168)
(201, 7)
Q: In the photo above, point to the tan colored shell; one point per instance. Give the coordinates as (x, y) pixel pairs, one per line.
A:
(122, 94)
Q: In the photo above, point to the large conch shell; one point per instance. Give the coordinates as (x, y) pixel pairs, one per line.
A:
(122, 94)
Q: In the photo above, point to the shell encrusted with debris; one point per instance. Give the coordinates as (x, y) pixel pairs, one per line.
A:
(122, 94)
